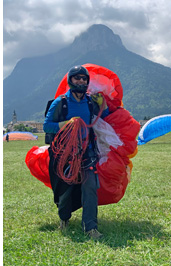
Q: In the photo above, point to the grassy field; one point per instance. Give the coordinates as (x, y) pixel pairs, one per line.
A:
(137, 230)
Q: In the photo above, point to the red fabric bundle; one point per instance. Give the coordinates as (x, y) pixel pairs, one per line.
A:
(112, 173)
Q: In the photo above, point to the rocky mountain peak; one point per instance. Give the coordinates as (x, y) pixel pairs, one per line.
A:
(96, 37)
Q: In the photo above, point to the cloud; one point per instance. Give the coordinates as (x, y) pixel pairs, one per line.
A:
(37, 27)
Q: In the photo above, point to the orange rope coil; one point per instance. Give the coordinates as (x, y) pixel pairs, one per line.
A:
(68, 147)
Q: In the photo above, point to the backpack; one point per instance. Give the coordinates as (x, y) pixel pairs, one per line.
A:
(61, 112)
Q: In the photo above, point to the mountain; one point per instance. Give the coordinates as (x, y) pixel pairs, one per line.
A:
(146, 85)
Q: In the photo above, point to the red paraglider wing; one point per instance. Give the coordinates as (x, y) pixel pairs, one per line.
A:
(113, 179)
(37, 160)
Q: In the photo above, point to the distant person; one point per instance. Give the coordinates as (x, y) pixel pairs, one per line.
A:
(7, 137)
(70, 197)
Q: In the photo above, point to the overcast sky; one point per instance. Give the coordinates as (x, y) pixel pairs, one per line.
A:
(38, 27)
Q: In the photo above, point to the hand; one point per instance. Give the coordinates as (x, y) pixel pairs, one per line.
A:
(98, 98)
(63, 123)
(73, 118)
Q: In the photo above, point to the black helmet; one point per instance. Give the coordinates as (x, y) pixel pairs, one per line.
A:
(74, 71)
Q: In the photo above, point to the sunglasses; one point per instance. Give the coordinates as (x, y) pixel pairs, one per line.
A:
(78, 77)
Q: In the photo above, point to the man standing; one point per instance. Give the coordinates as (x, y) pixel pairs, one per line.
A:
(7, 137)
(70, 197)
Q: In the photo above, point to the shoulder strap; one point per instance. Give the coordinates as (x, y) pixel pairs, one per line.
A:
(61, 110)
(59, 115)
(90, 106)
(48, 106)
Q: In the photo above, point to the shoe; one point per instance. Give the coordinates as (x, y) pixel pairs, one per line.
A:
(63, 224)
(95, 234)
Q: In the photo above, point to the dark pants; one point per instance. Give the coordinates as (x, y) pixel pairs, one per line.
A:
(89, 201)
(68, 196)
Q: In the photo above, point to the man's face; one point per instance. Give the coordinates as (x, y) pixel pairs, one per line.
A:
(79, 79)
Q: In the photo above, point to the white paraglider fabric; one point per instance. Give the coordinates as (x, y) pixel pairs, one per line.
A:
(106, 137)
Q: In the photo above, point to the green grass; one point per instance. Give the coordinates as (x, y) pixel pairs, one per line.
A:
(137, 230)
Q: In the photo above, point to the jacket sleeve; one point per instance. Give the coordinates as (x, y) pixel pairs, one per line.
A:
(51, 126)
(105, 113)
